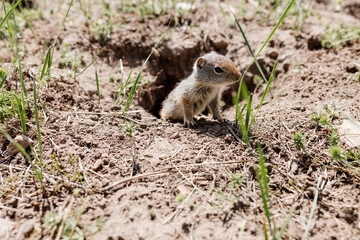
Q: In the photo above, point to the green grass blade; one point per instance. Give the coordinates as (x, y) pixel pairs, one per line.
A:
(21, 113)
(21, 78)
(3, 35)
(263, 46)
(264, 189)
(134, 87)
(16, 50)
(7, 74)
(88, 66)
(243, 108)
(264, 200)
(22, 150)
(97, 84)
(282, 230)
(10, 12)
(121, 90)
(29, 25)
(272, 76)
(250, 49)
(244, 130)
(9, 31)
(57, 35)
(264, 173)
(46, 61)
(248, 112)
(38, 127)
(97, 79)
(245, 93)
(17, 145)
(75, 65)
(274, 30)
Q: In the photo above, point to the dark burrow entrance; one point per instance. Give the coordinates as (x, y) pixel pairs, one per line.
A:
(173, 62)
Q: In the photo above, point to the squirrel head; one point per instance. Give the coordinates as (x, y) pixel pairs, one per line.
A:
(216, 69)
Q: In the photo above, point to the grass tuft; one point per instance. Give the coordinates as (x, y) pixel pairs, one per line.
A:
(244, 126)
(337, 37)
(135, 85)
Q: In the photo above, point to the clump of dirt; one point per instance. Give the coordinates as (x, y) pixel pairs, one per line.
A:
(353, 8)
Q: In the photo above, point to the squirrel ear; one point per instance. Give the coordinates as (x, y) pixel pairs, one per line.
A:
(200, 63)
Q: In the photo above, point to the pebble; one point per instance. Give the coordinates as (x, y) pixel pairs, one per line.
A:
(273, 54)
(229, 138)
(97, 166)
(22, 141)
(175, 135)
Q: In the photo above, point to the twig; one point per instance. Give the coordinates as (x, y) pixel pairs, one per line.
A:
(134, 178)
(202, 149)
(196, 187)
(99, 175)
(56, 146)
(104, 113)
(204, 164)
(235, 136)
(307, 229)
(174, 154)
(179, 208)
(22, 181)
(83, 171)
(163, 171)
(15, 210)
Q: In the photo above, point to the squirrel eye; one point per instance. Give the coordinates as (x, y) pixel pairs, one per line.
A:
(219, 70)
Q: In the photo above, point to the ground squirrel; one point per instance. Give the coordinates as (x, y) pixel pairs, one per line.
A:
(211, 74)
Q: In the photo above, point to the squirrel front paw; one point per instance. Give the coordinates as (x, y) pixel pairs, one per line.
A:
(219, 118)
(190, 124)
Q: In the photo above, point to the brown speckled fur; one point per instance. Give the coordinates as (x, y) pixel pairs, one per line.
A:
(203, 88)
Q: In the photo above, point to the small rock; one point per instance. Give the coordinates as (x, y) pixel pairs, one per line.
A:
(326, 192)
(294, 167)
(97, 166)
(218, 41)
(352, 69)
(286, 67)
(350, 216)
(229, 138)
(310, 192)
(183, 190)
(296, 108)
(314, 42)
(175, 135)
(22, 140)
(273, 54)
(27, 229)
(106, 161)
(143, 126)
(94, 117)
